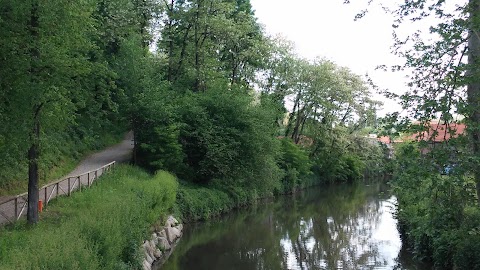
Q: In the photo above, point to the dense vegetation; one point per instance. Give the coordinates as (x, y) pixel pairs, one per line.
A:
(207, 96)
(200, 84)
(234, 113)
(437, 175)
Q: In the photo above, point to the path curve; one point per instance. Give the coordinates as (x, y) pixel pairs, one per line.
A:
(121, 152)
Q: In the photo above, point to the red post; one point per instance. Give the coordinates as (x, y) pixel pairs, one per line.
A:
(40, 206)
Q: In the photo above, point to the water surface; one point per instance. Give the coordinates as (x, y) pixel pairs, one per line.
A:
(336, 227)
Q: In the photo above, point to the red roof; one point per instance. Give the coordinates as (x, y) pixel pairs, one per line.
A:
(384, 139)
(440, 132)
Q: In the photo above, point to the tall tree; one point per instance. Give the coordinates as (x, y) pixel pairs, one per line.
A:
(208, 41)
(445, 68)
(55, 39)
(473, 86)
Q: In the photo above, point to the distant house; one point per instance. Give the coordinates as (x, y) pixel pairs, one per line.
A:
(384, 139)
(437, 134)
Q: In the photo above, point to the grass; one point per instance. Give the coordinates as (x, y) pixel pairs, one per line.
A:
(100, 228)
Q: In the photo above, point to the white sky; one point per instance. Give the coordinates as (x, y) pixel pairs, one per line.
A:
(326, 28)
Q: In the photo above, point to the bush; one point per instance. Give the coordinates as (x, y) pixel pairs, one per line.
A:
(437, 214)
(200, 203)
(296, 165)
(217, 134)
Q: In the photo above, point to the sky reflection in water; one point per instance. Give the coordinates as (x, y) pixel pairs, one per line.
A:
(338, 227)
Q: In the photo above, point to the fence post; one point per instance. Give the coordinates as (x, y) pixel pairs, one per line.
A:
(68, 192)
(45, 201)
(57, 190)
(88, 179)
(16, 208)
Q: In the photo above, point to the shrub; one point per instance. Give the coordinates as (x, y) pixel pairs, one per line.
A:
(216, 134)
(200, 203)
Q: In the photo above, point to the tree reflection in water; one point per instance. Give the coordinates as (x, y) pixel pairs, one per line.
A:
(338, 227)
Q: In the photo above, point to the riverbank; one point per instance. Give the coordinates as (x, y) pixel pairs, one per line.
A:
(99, 228)
(348, 226)
(106, 225)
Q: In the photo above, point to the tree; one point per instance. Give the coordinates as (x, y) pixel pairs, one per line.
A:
(445, 68)
(39, 77)
(210, 40)
(438, 188)
(473, 86)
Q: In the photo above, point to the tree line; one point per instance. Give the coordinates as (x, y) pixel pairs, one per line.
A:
(210, 97)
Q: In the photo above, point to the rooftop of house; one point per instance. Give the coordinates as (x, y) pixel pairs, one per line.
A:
(439, 132)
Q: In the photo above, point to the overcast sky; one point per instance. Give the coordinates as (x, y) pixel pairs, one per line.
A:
(326, 28)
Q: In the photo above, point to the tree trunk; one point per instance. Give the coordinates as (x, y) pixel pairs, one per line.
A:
(473, 90)
(196, 86)
(33, 155)
(170, 40)
(185, 41)
(33, 152)
(292, 114)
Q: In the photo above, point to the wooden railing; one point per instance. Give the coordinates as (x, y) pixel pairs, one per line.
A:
(14, 208)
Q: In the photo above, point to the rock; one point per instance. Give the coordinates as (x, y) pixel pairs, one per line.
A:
(162, 233)
(171, 222)
(149, 258)
(172, 234)
(153, 246)
(161, 241)
(149, 249)
(146, 265)
(163, 244)
(154, 239)
(157, 253)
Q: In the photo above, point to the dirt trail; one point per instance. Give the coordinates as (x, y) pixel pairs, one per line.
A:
(120, 153)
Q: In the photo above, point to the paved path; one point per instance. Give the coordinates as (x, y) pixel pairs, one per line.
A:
(121, 152)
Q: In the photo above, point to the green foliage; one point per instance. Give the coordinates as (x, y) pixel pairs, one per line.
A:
(296, 164)
(201, 203)
(54, 63)
(99, 228)
(436, 212)
(218, 134)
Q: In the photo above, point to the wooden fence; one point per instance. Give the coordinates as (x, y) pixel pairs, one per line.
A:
(14, 208)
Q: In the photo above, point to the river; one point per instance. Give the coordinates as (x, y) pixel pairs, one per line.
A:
(335, 227)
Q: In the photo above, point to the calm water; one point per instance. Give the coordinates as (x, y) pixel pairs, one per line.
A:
(339, 227)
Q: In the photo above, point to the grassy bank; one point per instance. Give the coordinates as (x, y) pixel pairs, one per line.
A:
(100, 228)
(103, 227)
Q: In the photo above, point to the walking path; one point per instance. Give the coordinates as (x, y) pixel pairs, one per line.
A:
(119, 153)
